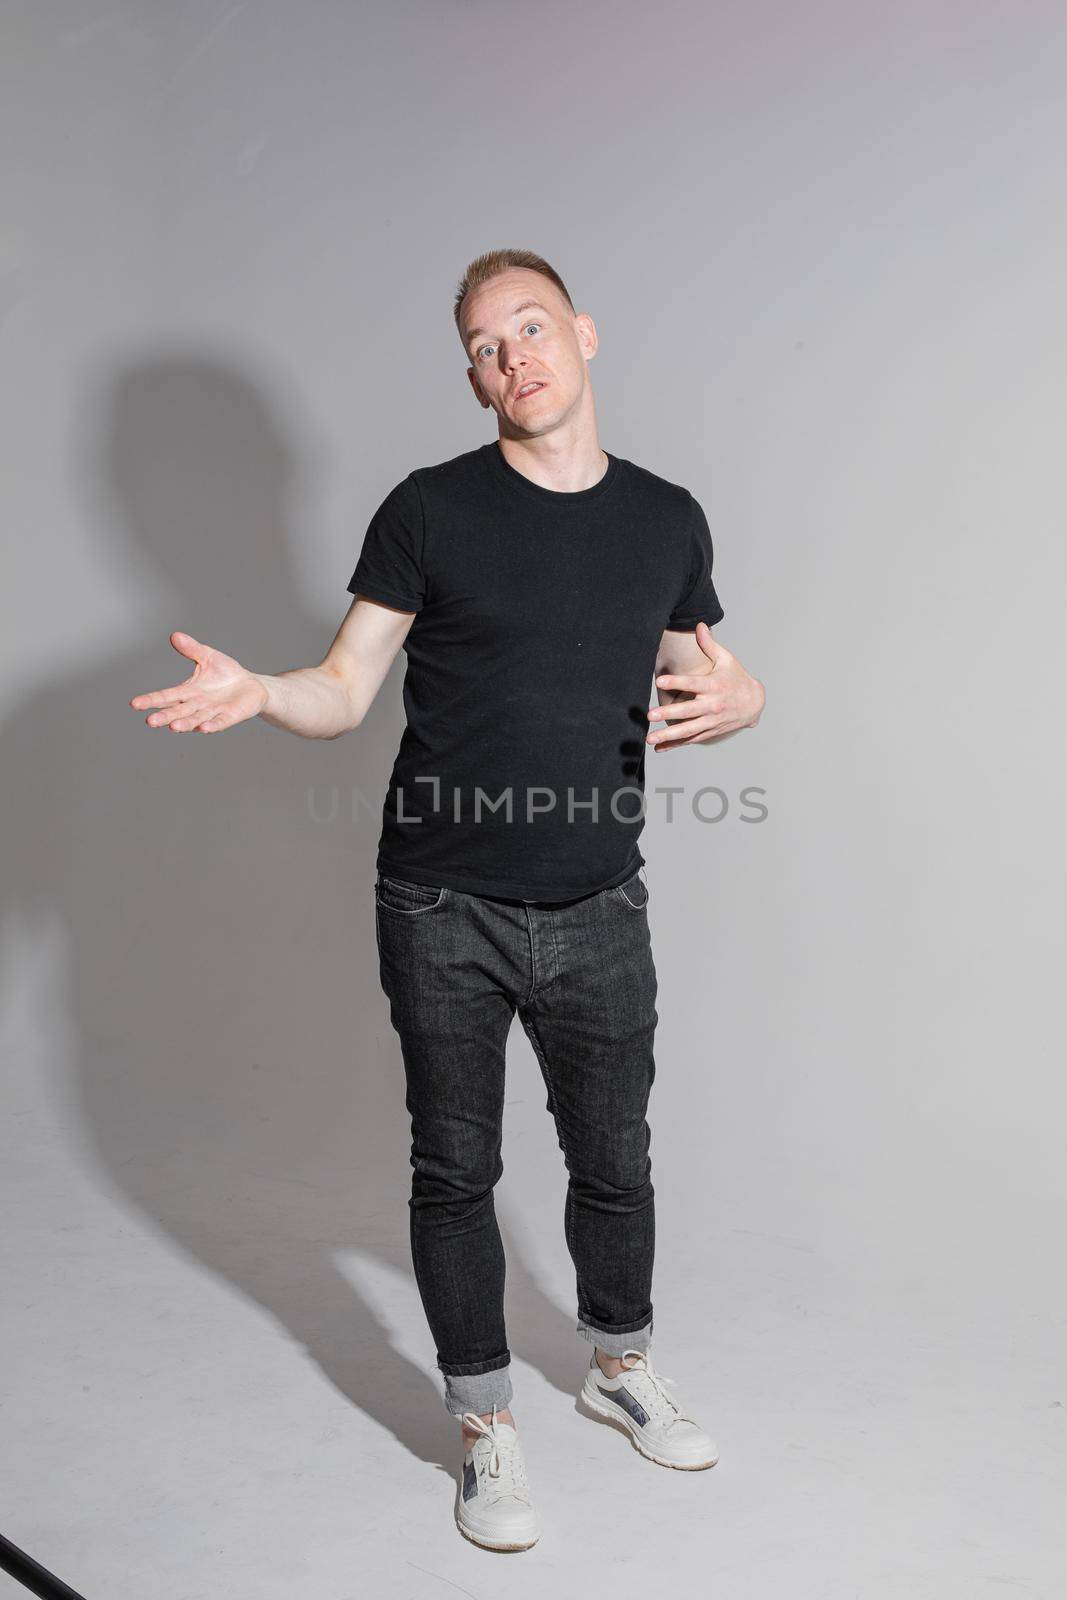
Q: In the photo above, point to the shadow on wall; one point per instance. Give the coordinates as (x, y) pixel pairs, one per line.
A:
(231, 1049)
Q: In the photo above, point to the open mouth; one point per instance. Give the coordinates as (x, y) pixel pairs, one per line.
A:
(528, 389)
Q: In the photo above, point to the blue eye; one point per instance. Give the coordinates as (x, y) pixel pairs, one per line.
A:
(479, 353)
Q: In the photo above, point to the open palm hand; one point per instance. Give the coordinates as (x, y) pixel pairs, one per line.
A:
(218, 694)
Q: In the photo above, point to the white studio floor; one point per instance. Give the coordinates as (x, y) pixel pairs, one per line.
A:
(225, 1407)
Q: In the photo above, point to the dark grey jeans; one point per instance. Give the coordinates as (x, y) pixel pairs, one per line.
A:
(455, 968)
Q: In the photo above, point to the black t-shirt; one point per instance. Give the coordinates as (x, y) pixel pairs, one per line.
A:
(530, 667)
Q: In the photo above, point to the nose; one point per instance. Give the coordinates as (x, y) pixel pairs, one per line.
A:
(511, 357)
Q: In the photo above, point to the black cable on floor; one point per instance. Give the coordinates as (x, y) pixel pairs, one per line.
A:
(32, 1574)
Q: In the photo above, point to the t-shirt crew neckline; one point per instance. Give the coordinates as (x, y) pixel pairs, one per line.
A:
(537, 491)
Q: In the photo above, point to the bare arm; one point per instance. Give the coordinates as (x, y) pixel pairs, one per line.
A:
(326, 701)
(705, 694)
(320, 702)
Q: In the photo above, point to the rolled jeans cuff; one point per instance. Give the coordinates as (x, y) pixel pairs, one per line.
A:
(478, 1391)
(614, 1344)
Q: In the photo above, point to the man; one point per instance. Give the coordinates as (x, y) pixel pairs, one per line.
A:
(537, 584)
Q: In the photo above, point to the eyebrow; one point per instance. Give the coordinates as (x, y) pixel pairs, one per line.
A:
(527, 305)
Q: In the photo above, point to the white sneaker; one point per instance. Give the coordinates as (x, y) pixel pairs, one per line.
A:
(494, 1508)
(638, 1400)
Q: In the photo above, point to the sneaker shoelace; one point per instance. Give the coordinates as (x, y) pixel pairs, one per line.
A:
(505, 1470)
(649, 1390)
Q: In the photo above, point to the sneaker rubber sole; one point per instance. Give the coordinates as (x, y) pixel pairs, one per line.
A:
(486, 1542)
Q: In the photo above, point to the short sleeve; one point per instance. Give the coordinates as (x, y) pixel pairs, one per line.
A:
(697, 601)
(390, 565)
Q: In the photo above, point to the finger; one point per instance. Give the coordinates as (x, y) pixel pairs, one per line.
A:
(186, 645)
(215, 724)
(677, 744)
(693, 681)
(172, 714)
(694, 725)
(708, 642)
(679, 710)
(161, 697)
(190, 718)
(713, 728)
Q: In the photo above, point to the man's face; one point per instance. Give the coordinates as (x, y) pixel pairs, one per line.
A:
(519, 330)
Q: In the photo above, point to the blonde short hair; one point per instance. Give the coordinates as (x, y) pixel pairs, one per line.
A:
(493, 263)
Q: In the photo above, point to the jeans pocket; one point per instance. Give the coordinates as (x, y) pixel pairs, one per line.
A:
(634, 892)
(407, 899)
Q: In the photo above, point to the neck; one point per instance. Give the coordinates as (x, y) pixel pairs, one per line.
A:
(556, 464)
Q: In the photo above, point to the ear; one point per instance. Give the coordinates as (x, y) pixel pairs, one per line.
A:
(476, 386)
(585, 328)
